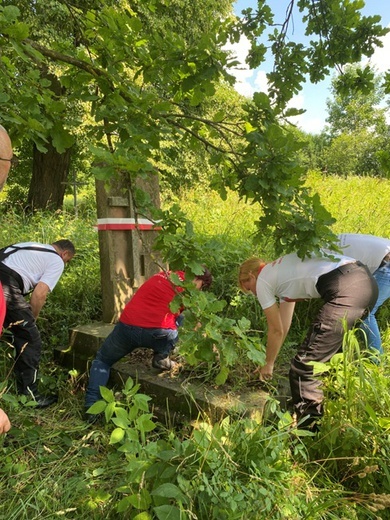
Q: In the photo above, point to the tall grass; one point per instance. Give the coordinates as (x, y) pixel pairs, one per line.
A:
(359, 205)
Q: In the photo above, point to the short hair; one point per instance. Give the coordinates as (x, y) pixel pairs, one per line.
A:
(65, 245)
(206, 278)
(252, 266)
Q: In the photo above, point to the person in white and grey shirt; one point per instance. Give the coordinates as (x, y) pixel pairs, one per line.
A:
(374, 252)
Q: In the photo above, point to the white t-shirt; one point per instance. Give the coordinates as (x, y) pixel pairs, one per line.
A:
(368, 249)
(36, 266)
(290, 278)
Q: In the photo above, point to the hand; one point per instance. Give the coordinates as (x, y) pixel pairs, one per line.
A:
(265, 372)
(5, 425)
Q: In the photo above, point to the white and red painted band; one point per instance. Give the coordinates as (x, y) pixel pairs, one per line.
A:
(119, 224)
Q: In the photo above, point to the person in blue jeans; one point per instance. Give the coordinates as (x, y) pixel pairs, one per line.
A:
(147, 321)
(374, 252)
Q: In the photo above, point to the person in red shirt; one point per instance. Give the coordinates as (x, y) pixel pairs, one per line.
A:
(6, 160)
(146, 322)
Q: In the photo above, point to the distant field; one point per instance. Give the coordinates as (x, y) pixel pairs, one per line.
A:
(359, 205)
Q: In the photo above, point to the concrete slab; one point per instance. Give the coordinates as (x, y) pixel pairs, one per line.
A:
(173, 398)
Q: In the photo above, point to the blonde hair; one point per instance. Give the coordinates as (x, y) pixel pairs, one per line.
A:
(250, 267)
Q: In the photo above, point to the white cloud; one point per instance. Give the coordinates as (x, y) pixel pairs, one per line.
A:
(381, 57)
(260, 81)
(311, 125)
(313, 120)
(242, 73)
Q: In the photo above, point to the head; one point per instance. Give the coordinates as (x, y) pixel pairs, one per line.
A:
(203, 281)
(6, 155)
(65, 249)
(248, 273)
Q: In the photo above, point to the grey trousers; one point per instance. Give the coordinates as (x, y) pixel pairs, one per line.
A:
(348, 292)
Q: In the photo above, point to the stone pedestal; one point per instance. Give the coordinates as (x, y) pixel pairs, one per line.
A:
(173, 398)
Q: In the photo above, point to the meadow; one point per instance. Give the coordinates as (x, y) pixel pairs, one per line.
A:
(56, 466)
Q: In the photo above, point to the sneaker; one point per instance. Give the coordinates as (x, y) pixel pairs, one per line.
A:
(163, 364)
(43, 401)
(309, 423)
(93, 418)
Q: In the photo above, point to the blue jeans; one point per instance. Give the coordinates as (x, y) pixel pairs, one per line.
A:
(122, 341)
(370, 325)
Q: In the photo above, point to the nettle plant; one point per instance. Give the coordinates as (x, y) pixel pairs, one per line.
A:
(355, 429)
(211, 332)
(222, 471)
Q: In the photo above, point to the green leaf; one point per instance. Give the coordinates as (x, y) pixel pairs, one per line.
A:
(167, 512)
(221, 377)
(219, 116)
(371, 412)
(318, 368)
(123, 505)
(61, 139)
(108, 395)
(255, 355)
(143, 516)
(144, 423)
(384, 422)
(141, 500)
(129, 384)
(169, 490)
(97, 407)
(141, 401)
(120, 422)
(117, 435)
(109, 410)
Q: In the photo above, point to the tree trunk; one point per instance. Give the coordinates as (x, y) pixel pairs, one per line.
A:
(49, 177)
(50, 169)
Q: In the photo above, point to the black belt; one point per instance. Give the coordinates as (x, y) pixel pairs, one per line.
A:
(385, 260)
(346, 268)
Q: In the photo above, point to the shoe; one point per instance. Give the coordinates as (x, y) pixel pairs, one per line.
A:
(163, 364)
(93, 418)
(43, 401)
(309, 423)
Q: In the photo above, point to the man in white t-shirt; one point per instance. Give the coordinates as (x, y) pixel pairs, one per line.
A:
(348, 291)
(374, 252)
(25, 268)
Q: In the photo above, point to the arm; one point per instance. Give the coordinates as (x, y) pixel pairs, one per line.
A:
(278, 322)
(5, 425)
(38, 298)
(286, 313)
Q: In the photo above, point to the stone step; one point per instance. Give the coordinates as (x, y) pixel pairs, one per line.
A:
(173, 397)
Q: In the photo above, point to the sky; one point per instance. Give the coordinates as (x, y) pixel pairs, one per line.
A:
(312, 98)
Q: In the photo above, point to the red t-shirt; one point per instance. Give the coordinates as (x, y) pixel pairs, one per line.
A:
(149, 307)
(2, 308)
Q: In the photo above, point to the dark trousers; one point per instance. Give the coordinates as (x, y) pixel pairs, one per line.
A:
(25, 336)
(348, 292)
(122, 341)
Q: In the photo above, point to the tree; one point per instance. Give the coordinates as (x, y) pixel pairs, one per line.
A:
(61, 21)
(145, 87)
(357, 131)
(352, 108)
